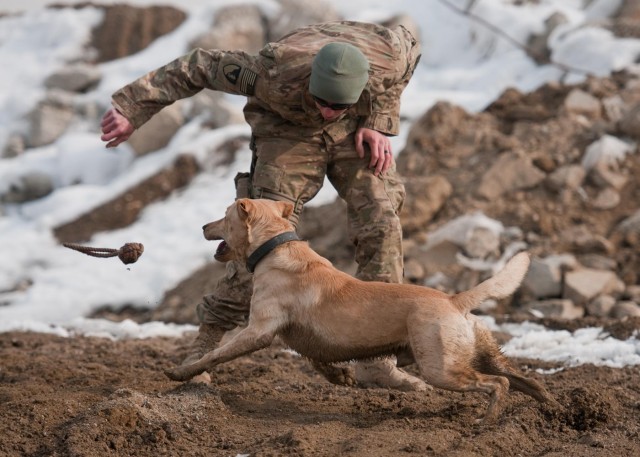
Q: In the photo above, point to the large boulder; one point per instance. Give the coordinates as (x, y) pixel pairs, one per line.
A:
(127, 29)
(425, 196)
(158, 131)
(509, 173)
(49, 119)
(237, 27)
(77, 77)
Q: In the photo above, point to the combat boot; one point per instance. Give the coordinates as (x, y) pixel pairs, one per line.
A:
(384, 373)
(207, 339)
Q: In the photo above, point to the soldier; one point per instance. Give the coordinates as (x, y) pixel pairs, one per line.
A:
(321, 101)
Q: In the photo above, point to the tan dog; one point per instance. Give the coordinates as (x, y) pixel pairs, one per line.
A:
(329, 316)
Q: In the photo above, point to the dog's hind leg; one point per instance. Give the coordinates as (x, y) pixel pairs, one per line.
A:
(248, 340)
(497, 387)
(489, 359)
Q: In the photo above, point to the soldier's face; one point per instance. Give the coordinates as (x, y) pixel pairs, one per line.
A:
(330, 114)
(330, 111)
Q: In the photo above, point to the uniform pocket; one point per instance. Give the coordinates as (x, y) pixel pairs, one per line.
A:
(267, 176)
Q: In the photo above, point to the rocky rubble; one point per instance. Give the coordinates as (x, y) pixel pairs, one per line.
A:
(555, 172)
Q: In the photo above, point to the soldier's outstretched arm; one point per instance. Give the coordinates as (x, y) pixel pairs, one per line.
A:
(233, 72)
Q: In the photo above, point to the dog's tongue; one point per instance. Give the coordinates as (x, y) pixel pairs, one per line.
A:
(221, 247)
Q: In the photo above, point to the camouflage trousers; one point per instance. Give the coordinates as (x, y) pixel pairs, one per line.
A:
(290, 170)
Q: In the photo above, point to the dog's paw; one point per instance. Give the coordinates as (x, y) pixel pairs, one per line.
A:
(341, 376)
(383, 373)
(181, 373)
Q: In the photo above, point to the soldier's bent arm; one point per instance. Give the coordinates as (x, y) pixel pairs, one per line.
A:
(388, 86)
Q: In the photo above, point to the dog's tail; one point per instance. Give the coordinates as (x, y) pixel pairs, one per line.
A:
(503, 284)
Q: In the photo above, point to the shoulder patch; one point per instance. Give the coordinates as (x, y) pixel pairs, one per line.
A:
(231, 72)
(247, 78)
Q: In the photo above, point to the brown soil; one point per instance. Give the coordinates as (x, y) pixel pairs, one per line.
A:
(95, 397)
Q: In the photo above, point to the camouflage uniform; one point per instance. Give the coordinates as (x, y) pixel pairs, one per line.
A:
(294, 148)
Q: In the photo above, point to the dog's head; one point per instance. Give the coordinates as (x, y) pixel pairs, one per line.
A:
(246, 225)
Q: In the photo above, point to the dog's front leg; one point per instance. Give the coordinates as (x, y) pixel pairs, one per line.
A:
(250, 339)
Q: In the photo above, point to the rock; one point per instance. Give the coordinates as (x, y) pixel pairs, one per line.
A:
(581, 241)
(545, 276)
(625, 309)
(582, 286)
(608, 150)
(630, 123)
(298, 13)
(429, 194)
(597, 261)
(14, 147)
(545, 162)
(49, 120)
(629, 229)
(614, 108)
(158, 131)
(214, 106)
(446, 138)
(439, 281)
(559, 308)
(413, 271)
(459, 229)
(437, 256)
(236, 27)
(509, 173)
(325, 227)
(606, 199)
(407, 22)
(633, 293)
(126, 29)
(624, 28)
(481, 242)
(629, 9)
(600, 306)
(603, 176)
(566, 177)
(74, 78)
(28, 187)
(538, 44)
(581, 102)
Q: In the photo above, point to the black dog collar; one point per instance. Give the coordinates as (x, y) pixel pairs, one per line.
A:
(257, 255)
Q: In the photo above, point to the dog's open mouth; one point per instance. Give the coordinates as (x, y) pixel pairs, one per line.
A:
(222, 251)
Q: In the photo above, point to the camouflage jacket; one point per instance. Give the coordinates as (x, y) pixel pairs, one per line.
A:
(276, 82)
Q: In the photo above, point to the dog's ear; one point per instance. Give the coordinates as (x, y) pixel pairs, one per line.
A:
(286, 208)
(244, 206)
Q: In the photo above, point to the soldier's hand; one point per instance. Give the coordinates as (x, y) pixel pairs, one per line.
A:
(116, 128)
(380, 147)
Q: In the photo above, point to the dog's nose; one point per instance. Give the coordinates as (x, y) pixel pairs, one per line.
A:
(204, 227)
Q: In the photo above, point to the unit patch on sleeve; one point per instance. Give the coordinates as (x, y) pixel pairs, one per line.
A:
(247, 78)
(231, 72)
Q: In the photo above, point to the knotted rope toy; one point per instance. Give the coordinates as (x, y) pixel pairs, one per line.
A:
(128, 253)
